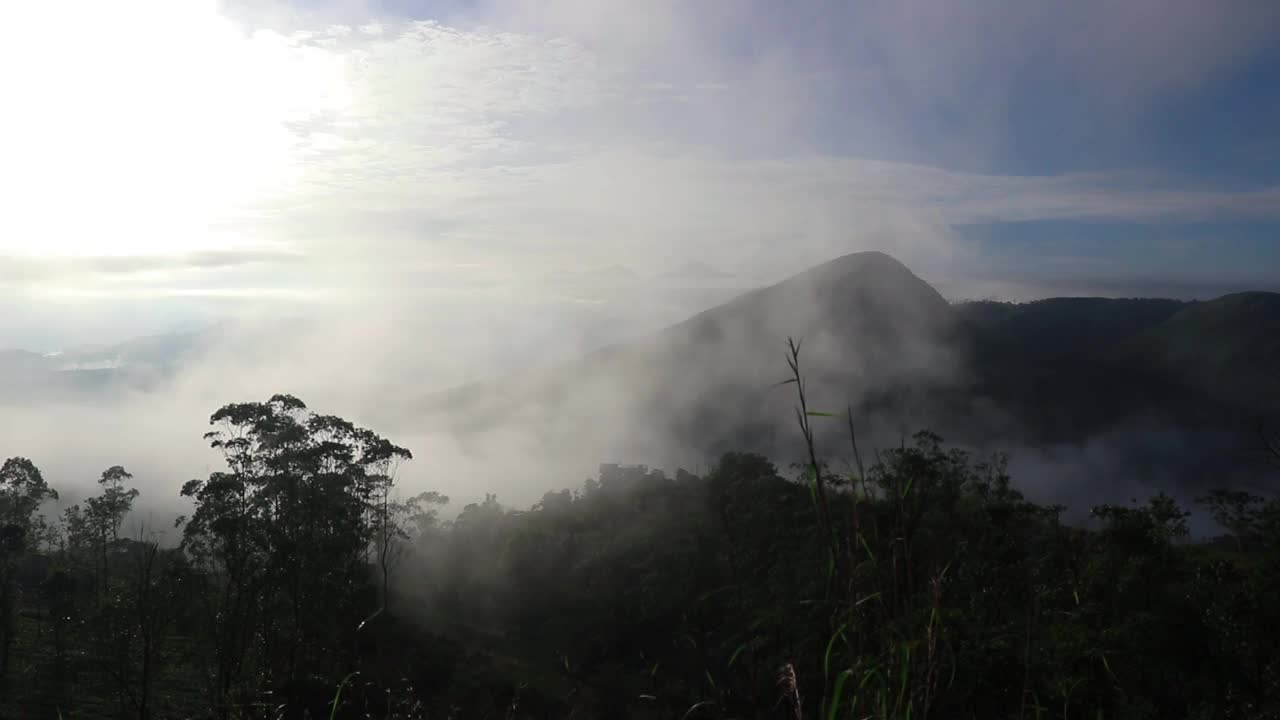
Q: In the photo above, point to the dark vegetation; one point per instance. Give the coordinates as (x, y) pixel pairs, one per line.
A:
(908, 582)
(914, 582)
(1097, 360)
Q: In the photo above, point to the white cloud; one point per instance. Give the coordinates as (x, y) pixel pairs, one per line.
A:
(380, 146)
(518, 150)
(446, 185)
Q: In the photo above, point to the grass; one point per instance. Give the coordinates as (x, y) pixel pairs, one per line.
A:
(37, 691)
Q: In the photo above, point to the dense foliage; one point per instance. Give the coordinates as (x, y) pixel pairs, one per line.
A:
(922, 585)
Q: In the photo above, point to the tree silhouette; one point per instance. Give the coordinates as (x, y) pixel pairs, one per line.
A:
(285, 538)
(22, 491)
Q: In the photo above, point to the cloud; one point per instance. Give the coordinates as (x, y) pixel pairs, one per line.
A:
(17, 268)
(579, 134)
(520, 149)
(417, 181)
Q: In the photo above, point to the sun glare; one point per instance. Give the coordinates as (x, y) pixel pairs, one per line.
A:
(137, 127)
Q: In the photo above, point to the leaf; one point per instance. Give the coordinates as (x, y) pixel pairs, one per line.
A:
(337, 696)
(826, 658)
(902, 677)
(837, 693)
(1107, 665)
(865, 546)
(695, 707)
(872, 596)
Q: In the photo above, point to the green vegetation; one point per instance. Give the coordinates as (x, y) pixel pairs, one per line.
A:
(914, 583)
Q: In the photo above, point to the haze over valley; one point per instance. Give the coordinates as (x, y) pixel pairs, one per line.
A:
(703, 359)
(1096, 398)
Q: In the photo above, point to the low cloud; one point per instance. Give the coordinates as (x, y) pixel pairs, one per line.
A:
(35, 268)
(428, 198)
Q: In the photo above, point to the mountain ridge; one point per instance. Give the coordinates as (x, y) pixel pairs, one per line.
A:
(882, 341)
(876, 338)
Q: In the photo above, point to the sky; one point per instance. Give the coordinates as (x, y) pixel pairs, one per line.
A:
(393, 197)
(566, 168)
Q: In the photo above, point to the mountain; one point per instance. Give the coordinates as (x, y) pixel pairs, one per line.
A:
(1139, 387)
(1057, 329)
(21, 362)
(1228, 347)
(93, 372)
(878, 339)
(874, 335)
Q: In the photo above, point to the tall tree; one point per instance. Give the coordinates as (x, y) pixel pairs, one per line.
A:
(22, 491)
(287, 533)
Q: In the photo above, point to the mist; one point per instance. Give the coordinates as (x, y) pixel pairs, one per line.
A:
(712, 327)
(417, 205)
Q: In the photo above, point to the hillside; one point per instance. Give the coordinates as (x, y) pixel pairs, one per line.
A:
(94, 372)
(878, 338)
(1228, 347)
(870, 328)
(1191, 379)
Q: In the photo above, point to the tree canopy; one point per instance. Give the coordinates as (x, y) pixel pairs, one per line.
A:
(923, 584)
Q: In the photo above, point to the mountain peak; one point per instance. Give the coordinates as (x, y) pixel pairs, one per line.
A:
(867, 259)
(867, 309)
(870, 267)
(868, 281)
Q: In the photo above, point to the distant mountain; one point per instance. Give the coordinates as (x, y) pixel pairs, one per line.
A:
(695, 272)
(1088, 361)
(1228, 347)
(879, 339)
(22, 361)
(1057, 329)
(1174, 387)
(92, 372)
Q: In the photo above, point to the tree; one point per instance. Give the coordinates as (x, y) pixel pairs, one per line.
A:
(1271, 444)
(22, 491)
(97, 527)
(109, 509)
(285, 534)
(1151, 527)
(396, 523)
(130, 590)
(144, 603)
(1237, 511)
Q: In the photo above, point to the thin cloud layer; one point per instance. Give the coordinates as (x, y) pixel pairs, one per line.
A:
(575, 136)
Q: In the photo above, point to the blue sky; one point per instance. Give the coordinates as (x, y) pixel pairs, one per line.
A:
(336, 153)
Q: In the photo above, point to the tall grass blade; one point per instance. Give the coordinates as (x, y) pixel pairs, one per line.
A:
(695, 708)
(337, 696)
(826, 658)
(837, 694)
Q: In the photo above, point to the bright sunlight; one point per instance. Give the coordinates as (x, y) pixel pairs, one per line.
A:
(147, 127)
